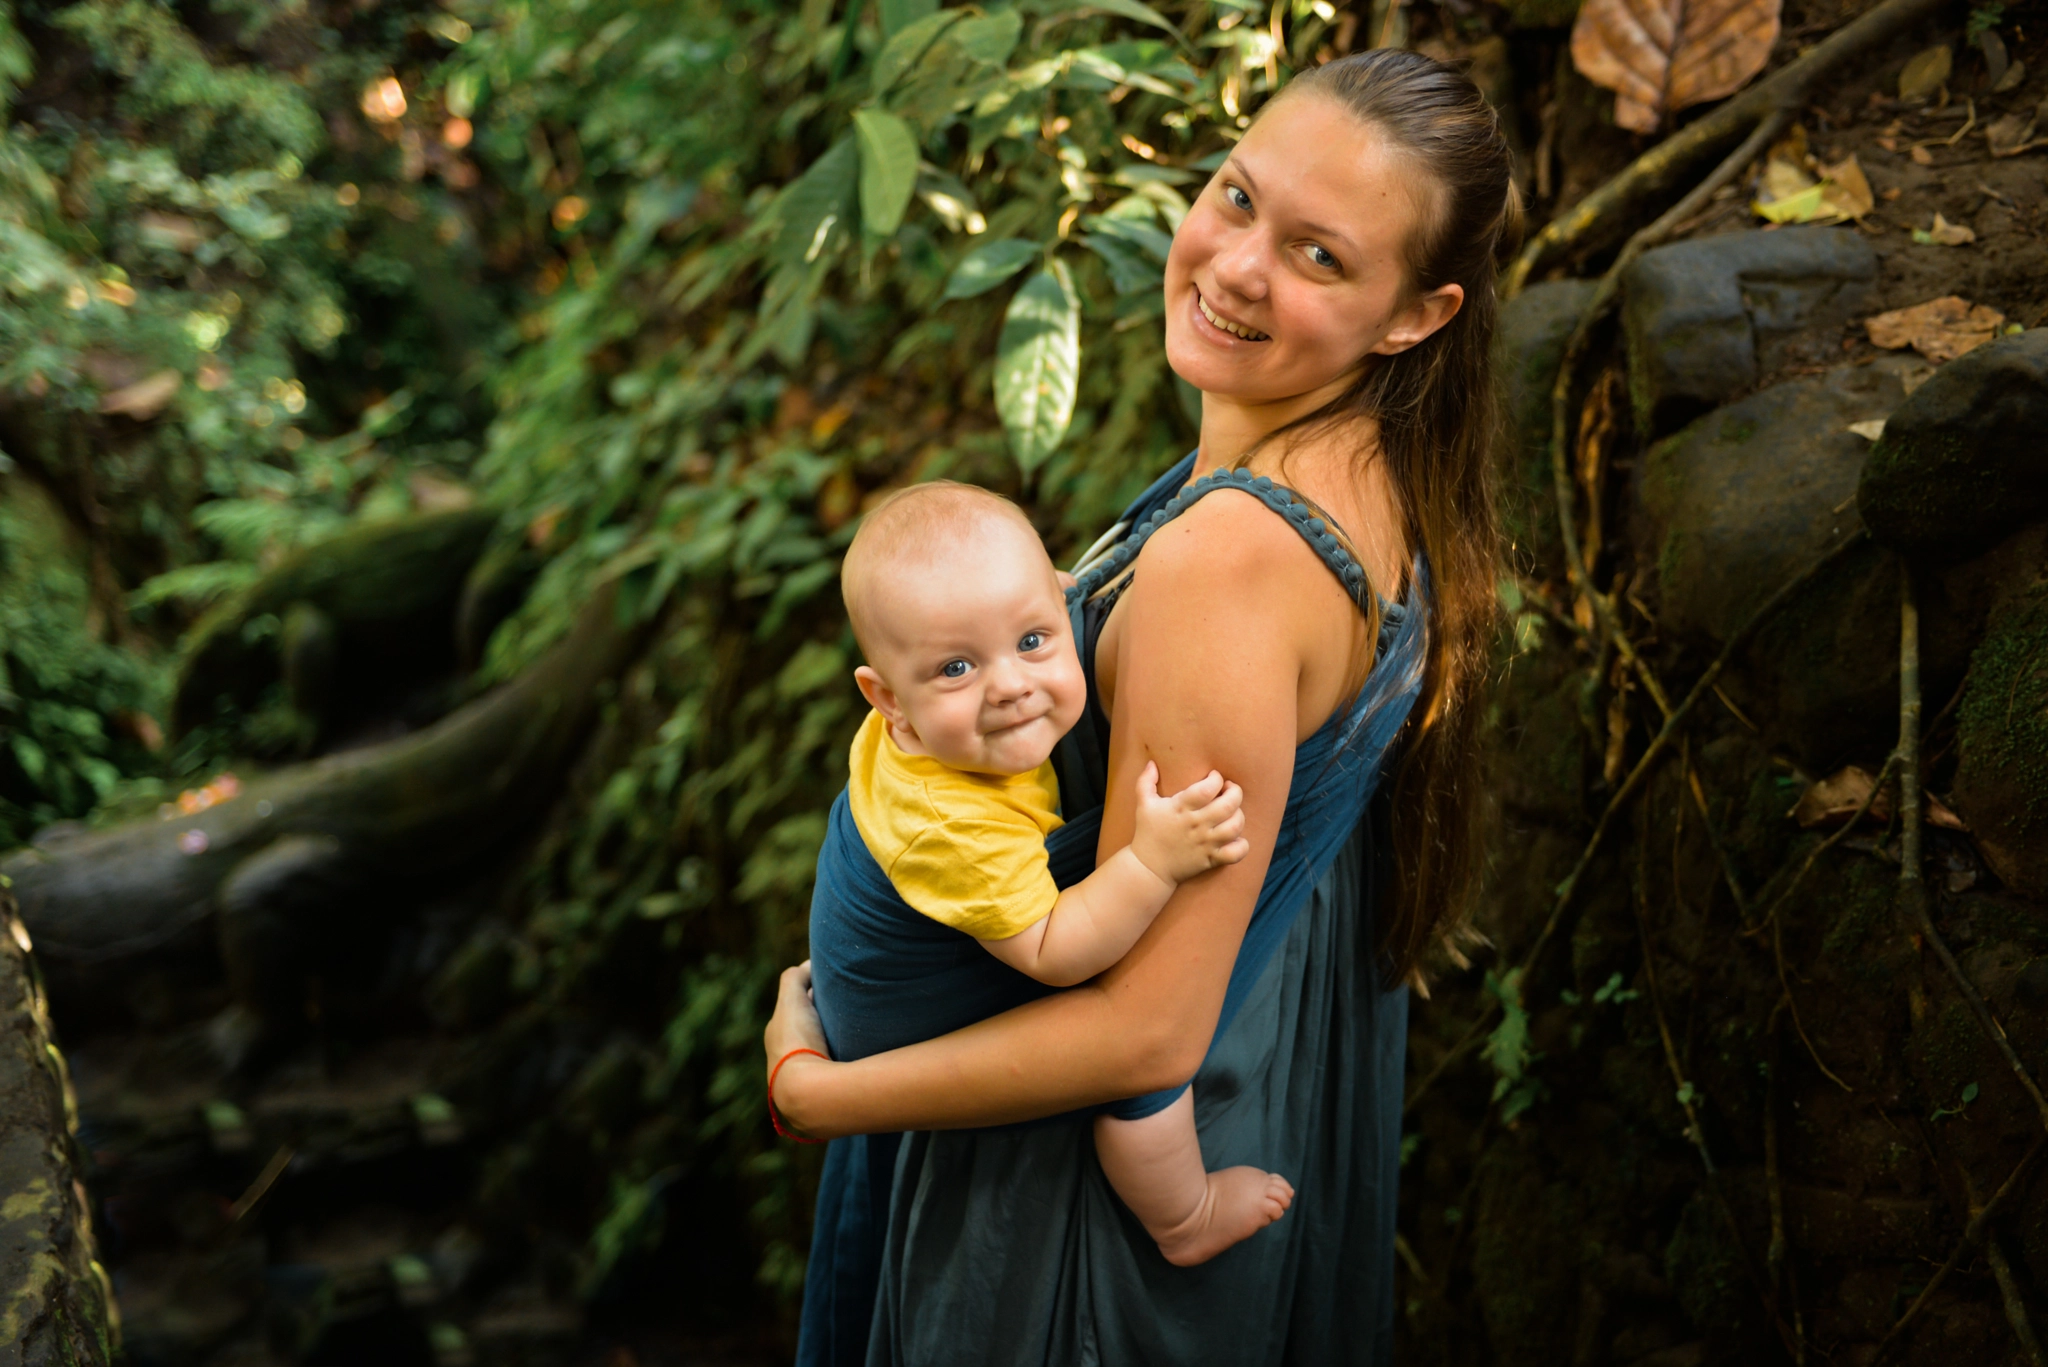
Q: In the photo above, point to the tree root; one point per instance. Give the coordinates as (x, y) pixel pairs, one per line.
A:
(1766, 1285)
(1977, 1229)
(1591, 220)
(1658, 745)
(1912, 884)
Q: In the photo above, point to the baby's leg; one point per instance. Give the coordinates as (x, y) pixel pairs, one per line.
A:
(1155, 1164)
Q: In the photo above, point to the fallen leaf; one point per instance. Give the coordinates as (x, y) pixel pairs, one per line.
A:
(1997, 61)
(1940, 329)
(1890, 194)
(2014, 74)
(1921, 156)
(1848, 189)
(2007, 132)
(1926, 73)
(1869, 431)
(1836, 798)
(1661, 56)
(1787, 194)
(1938, 814)
(145, 398)
(1944, 234)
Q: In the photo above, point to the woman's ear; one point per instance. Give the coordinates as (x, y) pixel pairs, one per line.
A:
(1422, 317)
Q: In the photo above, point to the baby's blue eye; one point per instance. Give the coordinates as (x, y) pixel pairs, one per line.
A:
(954, 669)
(1032, 641)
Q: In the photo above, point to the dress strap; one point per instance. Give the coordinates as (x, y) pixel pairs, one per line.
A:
(1302, 515)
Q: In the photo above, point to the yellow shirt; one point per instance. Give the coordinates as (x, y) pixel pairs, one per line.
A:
(967, 850)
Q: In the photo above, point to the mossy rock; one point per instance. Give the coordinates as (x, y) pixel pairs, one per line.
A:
(1528, 347)
(1741, 502)
(2001, 787)
(53, 1307)
(1525, 1258)
(387, 593)
(1693, 311)
(1962, 462)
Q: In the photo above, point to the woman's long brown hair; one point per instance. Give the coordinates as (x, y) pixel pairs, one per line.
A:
(1436, 412)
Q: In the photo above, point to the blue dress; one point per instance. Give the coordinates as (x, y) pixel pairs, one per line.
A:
(1007, 1246)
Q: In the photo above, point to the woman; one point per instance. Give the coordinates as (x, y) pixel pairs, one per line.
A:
(1331, 295)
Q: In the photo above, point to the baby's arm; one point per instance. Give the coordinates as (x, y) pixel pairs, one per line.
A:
(1095, 922)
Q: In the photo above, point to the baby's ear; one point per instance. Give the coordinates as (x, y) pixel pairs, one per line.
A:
(880, 696)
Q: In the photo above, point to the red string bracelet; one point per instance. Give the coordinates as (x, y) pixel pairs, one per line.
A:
(774, 1117)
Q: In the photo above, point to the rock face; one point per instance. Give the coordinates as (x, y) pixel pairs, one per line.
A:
(1740, 502)
(2001, 787)
(1528, 345)
(52, 1307)
(1964, 460)
(1694, 311)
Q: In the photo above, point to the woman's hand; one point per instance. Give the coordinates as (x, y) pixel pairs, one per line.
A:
(795, 1025)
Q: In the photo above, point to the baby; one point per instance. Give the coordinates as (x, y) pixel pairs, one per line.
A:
(973, 675)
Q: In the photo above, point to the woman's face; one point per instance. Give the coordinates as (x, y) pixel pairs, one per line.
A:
(1288, 270)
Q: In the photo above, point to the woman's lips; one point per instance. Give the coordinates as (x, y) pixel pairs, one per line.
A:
(1222, 326)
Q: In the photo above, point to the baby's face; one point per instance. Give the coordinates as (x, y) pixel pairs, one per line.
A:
(976, 661)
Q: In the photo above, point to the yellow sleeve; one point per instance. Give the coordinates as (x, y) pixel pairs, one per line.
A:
(985, 877)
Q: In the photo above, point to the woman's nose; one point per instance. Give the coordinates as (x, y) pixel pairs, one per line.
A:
(1240, 267)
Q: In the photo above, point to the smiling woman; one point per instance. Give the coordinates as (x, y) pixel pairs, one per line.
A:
(1331, 293)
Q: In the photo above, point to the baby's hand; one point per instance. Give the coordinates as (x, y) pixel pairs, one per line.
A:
(1197, 829)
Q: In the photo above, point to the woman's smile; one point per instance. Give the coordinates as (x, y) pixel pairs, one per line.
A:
(1225, 325)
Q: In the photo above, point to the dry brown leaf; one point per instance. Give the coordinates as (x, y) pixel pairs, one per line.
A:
(2012, 134)
(2014, 74)
(1870, 430)
(1921, 156)
(1945, 234)
(1926, 73)
(1836, 798)
(145, 398)
(1940, 329)
(1661, 56)
(1938, 814)
(1848, 190)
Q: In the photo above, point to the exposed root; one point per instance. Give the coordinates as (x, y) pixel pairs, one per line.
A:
(1980, 1224)
(1586, 223)
(1912, 884)
(1651, 754)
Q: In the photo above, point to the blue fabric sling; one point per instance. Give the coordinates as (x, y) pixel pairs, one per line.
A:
(884, 975)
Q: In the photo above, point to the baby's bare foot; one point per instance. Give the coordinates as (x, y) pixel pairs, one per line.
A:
(1238, 1203)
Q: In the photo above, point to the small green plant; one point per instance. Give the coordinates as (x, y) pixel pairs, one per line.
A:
(1983, 19)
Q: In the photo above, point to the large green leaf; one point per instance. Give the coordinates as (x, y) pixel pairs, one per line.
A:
(903, 50)
(1038, 364)
(989, 265)
(898, 15)
(1126, 9)
(888, 169)
(814, 204)
(990, 40)
(1129, 270)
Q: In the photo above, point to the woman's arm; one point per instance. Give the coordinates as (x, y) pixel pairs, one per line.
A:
(1212, 637)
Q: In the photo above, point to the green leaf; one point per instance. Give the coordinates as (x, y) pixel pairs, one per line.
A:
(1145, 238)
(1038, 364)
(898, 15)
(903, 50)
(1127, 9)
(992, 39)
(888, 169)
(1129, 271)
(814, 203)
(989, 265)
(1969, 1093)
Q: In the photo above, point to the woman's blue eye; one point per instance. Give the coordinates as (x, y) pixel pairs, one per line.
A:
(1237, 197)
(954, 669)
(1321, 257)
(1032, 641)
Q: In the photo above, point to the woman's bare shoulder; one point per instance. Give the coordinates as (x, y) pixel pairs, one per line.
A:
(1229, 540)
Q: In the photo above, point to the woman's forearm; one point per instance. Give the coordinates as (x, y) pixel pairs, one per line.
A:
(1062, 1053)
